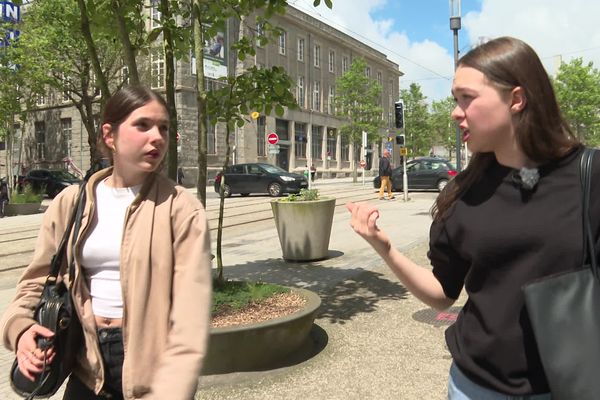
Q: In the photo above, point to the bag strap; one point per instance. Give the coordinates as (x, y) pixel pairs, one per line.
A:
(589, 252)
(57, 258)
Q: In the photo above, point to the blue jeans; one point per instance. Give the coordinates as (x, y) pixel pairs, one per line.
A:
(462, 388)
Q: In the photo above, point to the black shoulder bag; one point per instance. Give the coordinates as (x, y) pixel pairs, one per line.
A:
(564, 311)
(56, 312)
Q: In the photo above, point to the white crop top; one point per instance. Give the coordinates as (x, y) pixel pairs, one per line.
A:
(101, 252)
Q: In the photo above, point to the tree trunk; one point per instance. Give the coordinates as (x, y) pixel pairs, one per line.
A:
(128, 50)
(170, 89)
(201, 100)
(10, 134)
(93, 53)
(220, 278)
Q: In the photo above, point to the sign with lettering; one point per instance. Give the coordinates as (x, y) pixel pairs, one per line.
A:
(9, 13)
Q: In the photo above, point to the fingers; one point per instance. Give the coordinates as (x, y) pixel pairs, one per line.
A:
(29, 357)
(29, 364)
(42, 331)
(364, 217)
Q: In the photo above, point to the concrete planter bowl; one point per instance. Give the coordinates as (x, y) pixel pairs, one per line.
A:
(22, 209)
(262, 345)
(304, 228)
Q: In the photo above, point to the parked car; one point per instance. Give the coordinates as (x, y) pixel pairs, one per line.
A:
(422, 174)
(259, 178)
(52, 181)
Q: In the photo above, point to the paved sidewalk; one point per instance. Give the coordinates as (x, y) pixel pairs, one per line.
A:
(381, 342)
(376, 340)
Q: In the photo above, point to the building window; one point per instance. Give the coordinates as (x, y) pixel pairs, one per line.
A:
(331, 143)
(157, 74)
(344, 64)
(261, 141)
(260, 31)
(300, 49)
(317, 95)
(282, 127)
(300, 140)
(211, 145)
(345, 148)
(368, 71)
(41, 100)
(66, 128)
(156, 15)
(40, 139)
(300, 94)
(379, 80)
(282, 40)
(317, 56)
(331, 100)
(317, 142)
(331, 61)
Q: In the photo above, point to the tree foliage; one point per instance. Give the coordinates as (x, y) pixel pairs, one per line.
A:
(578, 92)
(418, 133)
(257, 90)
(442, 127)
(357, 100)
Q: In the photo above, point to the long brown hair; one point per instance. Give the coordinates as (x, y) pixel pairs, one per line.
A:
(541, 131)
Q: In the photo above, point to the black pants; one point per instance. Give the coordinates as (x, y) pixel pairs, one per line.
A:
(111, 346)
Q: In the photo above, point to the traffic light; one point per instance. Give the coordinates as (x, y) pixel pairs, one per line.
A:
(399, 111)
(400, 140)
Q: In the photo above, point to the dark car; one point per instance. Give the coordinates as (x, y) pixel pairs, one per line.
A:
(51, 181)
(259, 178)
(422, 174)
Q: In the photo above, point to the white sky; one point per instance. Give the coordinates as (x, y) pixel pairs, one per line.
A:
(552, 27)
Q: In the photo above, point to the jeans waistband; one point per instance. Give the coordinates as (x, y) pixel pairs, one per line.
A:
(108, 335)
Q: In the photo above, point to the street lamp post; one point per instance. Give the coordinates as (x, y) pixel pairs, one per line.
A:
(455, 27)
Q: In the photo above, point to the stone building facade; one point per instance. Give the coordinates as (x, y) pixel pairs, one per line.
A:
(313, 53)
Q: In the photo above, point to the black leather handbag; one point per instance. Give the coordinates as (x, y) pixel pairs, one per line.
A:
(564, 311)
(56, 312)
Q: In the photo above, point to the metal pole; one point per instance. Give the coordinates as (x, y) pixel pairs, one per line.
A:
(404, 179)
(458, 135)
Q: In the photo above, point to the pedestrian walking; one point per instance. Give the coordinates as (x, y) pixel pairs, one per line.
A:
(512, 217)
(180, 175)
(3, 197)
(385, 174)
(142, 283)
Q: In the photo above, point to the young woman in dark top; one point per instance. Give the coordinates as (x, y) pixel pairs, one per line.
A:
(513, 216)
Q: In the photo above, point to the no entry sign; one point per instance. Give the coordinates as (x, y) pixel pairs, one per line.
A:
(272, 138)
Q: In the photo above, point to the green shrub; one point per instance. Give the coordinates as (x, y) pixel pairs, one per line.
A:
(304, 195)
(27, 196)
(236, 295)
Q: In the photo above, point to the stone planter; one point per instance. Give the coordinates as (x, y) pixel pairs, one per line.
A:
(258, 346)
(304, 228)
(22, 209)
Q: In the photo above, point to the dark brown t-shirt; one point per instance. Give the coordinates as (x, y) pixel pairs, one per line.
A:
(497, 238)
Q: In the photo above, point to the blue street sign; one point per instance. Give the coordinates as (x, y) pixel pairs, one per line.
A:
(9, 13)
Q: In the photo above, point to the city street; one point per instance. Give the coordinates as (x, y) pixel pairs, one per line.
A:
(378, 341)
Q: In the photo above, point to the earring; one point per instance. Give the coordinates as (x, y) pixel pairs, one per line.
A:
(113, 148)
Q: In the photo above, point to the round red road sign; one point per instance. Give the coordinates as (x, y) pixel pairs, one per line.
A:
(272, 138)
(363, 163)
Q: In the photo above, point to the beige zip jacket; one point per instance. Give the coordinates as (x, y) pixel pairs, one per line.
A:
(166, 283)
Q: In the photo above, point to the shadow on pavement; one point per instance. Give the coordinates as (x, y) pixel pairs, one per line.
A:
(345, 290)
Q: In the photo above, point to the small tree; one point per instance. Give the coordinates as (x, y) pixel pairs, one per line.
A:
(416, 121)
(443, 129)
(357, 100)
(256, 90)
(578, 91)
